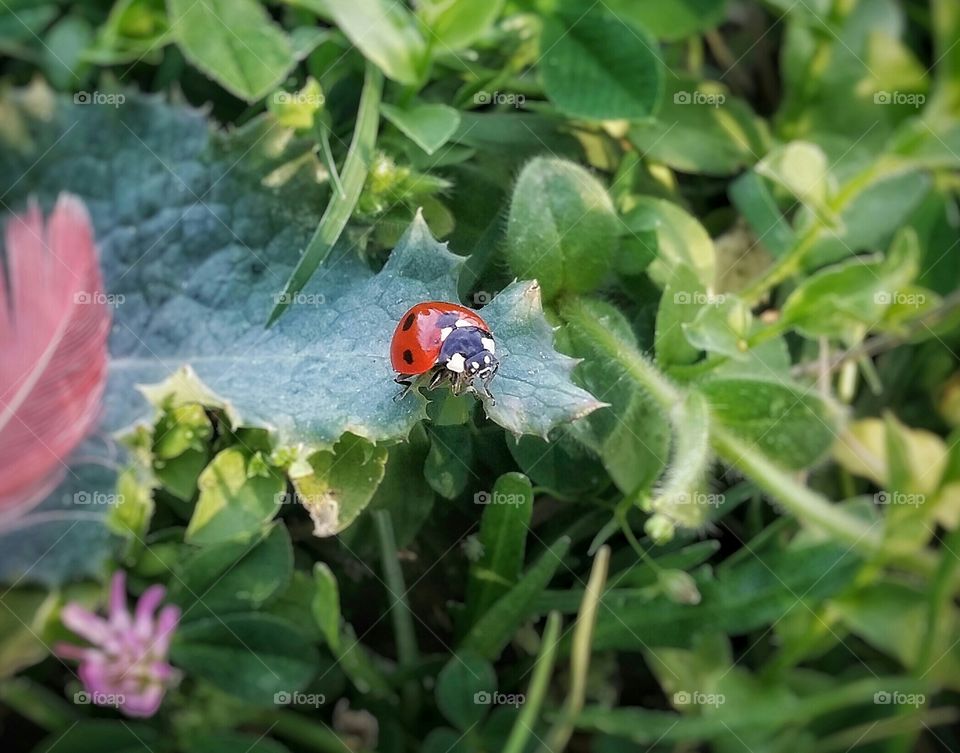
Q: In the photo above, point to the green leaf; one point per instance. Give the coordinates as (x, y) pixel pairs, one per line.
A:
(793, 424)
(404, 493)
(533, 387)
(180, 448)
(722, 328)
(326, 604)
(802, 169)
(751, 196)
(238, 494)
(893, 618)
(870, 217)
(427, 126)
(464, 688)
(456, 24)
(684, 297)
(503, 536)
(853, 293)
(561, 465)
(681, 239)
(768, 712)
(298, 110)
(235, 42)
(93, 735)
(700, 128)
(250, 656)
(562, 228)
(132, 516)
(22, 22)
(492, 632)
(448, 465)
(632, 435)
(597, 67)
(357, 663)
(64, 49)
(228, 742)
(233, 576)
(747, 594)
(386, 33)
(21, 625)
(309, 378)
(342, 484)
(672, 21)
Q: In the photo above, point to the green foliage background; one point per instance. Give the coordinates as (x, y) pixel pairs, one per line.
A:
(716, 503)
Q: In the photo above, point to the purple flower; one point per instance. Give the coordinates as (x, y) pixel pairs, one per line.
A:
(127, 664)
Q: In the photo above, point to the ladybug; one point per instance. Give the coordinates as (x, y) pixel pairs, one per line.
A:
(450, 342)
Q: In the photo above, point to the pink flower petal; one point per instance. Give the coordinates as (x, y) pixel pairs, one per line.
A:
(145, 703)
(146, 606)
(166, 624)
(69, 651)
(119, 616)
(95, 676)
(85, 623)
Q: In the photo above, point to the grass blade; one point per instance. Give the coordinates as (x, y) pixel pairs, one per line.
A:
(342, 203)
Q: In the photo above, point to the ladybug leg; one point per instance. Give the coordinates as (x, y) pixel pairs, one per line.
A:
(485, 382)
(438, 378)
(407, 384)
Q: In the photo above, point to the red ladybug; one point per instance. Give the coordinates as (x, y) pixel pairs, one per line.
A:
(450, 342)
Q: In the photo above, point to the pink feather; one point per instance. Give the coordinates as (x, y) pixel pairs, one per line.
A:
(54, 324)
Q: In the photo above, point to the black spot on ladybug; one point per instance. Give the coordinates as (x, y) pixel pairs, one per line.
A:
(408, 323)
(408, 355)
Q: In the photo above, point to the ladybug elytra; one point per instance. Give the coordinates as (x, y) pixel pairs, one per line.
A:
(451, 343)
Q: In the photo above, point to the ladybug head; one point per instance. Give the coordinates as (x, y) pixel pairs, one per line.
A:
(482, 365)
(469, 353)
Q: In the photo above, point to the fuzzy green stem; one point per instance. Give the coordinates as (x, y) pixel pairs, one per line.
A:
(808, 506)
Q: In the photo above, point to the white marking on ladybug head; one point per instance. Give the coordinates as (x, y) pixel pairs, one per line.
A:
(445, 333)
(488, 345)
(486, 359)
(455, 364)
